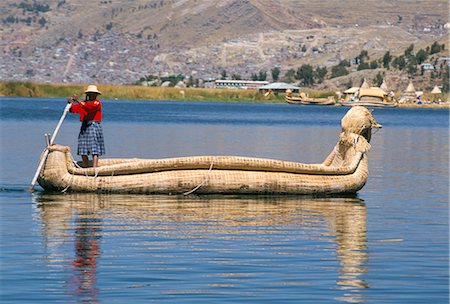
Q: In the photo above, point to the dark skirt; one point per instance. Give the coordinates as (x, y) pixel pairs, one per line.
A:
(90, 139)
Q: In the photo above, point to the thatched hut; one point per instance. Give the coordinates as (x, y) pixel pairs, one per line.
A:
(436, 92)
(372, 94)
(349, 93)
(365, 84)
(409, 95)
(384, 87)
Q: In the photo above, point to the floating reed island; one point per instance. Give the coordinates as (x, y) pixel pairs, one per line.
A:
(344, 171)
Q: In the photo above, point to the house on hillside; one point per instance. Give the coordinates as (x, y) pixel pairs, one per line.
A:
(239, 84)
(427, 67)
(355, 61)
(442, 62)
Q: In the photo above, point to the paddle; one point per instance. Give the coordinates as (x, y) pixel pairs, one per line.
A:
(52, 140)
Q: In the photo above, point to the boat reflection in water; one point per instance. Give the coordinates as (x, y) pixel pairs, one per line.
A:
(158, 224)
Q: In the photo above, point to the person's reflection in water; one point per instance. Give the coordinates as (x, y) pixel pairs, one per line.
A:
(87, 235)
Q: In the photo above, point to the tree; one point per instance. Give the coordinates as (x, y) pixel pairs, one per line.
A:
(363, 66)
(421, 56)
(411, 68)
(435, 48)
(409, 51)
(10, 19)
(42, 22)
(399, 62)
(236, 77)
(275, 73)
(305, 74)
(340, 69)
(289, 76)
(344, 63)
(262, 75)
(320, 74)
(378, 79)
(223, 75)
(373, 65)
(363, 55)
(387, 59)
(445, 79)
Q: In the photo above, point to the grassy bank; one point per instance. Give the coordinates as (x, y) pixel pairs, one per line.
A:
(29, 89)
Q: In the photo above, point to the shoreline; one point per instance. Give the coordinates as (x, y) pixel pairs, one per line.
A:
(425, 106)
(135, 92)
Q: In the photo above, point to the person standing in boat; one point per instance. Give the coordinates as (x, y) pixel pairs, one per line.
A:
(90, 138)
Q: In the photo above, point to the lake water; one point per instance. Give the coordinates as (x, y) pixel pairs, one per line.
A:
(389, 244)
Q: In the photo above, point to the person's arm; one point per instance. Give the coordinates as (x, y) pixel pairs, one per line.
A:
(75, 108)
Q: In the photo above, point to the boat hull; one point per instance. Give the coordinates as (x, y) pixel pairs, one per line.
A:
(310, 101)
(369, 104)
(55, 176)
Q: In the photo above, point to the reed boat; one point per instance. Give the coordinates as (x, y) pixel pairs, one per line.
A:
(369, 104)
(310, 101)
(371, 97)
(303, 98)
(344, 171)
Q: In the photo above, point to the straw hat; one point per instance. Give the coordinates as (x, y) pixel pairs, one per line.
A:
(92, 89)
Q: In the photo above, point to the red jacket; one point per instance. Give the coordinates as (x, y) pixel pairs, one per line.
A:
(92, 110)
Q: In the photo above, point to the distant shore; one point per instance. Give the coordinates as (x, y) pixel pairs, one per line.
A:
(425, 105)
(30, 89)
(135, 92)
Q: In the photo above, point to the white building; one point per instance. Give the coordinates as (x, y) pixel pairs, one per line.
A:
(427, 67)
(239, 84)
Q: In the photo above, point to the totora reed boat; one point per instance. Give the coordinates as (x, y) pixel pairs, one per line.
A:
(304, 99)
(371, 97)
(344, 171)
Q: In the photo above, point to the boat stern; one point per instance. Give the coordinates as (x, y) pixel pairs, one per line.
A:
(53, 175)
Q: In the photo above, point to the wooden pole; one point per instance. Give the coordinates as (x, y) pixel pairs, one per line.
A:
(52, 140)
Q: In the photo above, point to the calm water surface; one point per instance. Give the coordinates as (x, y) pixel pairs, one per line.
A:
(389, 244)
